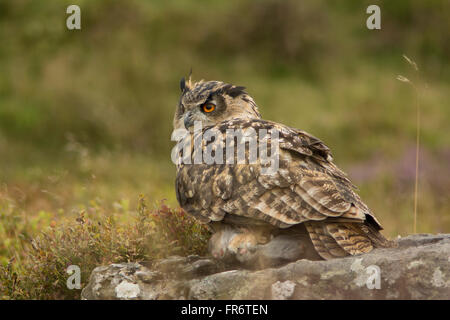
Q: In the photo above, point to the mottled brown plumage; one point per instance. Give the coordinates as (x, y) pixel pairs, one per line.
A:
(308, 189)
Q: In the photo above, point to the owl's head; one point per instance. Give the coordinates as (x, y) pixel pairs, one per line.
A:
(212, 102)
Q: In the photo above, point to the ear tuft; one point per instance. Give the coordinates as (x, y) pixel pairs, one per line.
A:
(183, 84)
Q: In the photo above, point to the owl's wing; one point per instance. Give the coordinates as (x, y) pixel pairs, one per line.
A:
(306, 187)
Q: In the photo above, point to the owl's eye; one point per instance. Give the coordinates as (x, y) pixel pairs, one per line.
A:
(208, 107)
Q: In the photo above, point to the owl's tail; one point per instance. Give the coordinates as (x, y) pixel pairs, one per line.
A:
(340, 239)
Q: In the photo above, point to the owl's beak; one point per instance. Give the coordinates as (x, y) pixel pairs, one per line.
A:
(188, 121)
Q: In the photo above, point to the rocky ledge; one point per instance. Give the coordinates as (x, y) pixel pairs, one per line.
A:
(419, 268)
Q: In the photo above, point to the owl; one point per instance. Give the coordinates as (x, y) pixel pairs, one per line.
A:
(307, 198)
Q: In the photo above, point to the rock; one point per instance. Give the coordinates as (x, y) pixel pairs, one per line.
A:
(418, 269)
(283, 290)
(127, 290)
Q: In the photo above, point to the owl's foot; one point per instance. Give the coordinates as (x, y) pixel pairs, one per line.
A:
(246, 248)
(231, 244)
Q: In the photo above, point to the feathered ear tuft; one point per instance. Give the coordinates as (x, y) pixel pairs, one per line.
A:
(186, 85)
(190, 79)
(183, 84)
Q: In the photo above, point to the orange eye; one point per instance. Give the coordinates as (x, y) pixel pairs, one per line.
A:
(208, 107)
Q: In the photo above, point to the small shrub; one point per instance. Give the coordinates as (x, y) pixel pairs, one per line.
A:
(94, 239)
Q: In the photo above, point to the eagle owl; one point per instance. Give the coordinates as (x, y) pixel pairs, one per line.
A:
(308, 196)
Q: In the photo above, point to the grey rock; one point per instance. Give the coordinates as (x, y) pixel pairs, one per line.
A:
(419, 268)
(283, 290)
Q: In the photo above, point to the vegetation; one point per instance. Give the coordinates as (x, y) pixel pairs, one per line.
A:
(86, 117)
(38, 270)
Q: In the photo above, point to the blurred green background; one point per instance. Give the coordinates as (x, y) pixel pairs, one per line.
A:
(86, 115)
